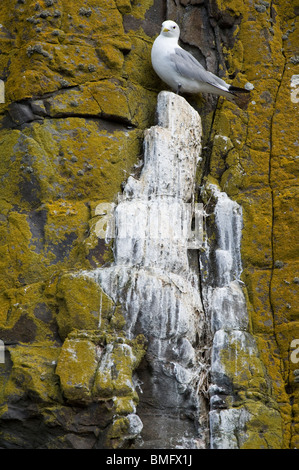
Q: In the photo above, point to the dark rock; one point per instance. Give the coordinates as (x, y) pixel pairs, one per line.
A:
(24, 330)
(21, 113)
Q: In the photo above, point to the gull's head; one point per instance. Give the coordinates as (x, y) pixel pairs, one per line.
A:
(170, 29)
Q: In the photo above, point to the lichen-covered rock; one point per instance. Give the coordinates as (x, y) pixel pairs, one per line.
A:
(253, 160)
(92, 367)
(95, 368)
(79, 92)
(153, 281)
(71, 128)
(82, 305)
(124, 429)
(33, 374)
(76, 369)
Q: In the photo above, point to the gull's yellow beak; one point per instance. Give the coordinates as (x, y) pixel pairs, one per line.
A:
(165, 30)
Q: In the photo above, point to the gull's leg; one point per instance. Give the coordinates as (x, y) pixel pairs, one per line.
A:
(179, 88)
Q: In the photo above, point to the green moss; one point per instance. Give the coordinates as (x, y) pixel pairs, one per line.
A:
(114, 376)
(250, 377)
(285, 221)
(22, 258)
(104, 98)
(22, 158)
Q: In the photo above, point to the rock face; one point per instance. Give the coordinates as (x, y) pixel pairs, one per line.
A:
(77, 92)
(71, 132)
(152, 279)
(240, 392)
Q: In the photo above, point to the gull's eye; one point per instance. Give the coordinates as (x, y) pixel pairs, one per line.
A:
(173, 27)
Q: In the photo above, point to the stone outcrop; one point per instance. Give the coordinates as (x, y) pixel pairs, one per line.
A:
(243, 412)
(152, 279)
(71, 131)
(77, 92)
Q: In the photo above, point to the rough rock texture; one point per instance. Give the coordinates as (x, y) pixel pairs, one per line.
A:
(153, 280)
(79, 92)
(243, 411)
(252, 155)
(71, 131)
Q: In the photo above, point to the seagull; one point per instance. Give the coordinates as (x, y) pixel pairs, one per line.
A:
(184, 74)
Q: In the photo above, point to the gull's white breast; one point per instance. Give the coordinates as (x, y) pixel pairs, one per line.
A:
(161, 62)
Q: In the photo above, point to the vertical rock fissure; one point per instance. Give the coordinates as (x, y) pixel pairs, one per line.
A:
(272, 203)
(272, 239)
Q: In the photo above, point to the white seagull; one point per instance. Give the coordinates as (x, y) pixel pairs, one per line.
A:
(183, 73)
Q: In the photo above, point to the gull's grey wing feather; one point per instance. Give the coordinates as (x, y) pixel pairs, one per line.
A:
(187, 66)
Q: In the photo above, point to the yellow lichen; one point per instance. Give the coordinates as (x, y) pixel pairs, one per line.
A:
(33, 373)
(82, 305)
(76, 369)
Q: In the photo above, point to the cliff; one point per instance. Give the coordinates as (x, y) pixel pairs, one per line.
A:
(109, 341)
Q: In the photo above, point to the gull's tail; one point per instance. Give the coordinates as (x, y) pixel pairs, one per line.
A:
(240, 96)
